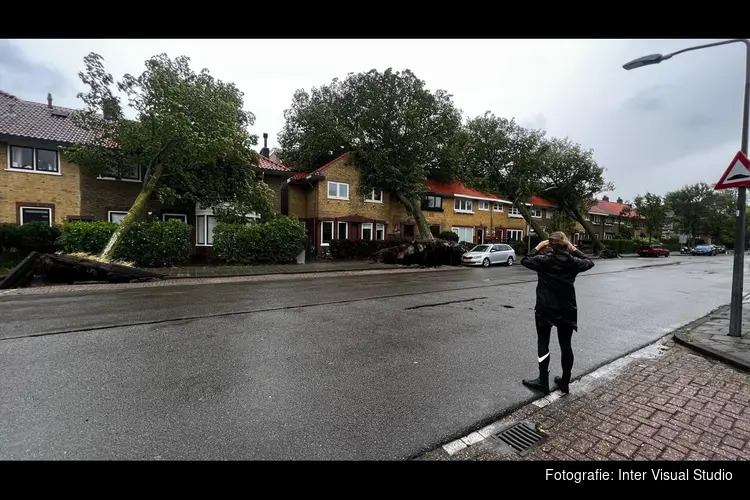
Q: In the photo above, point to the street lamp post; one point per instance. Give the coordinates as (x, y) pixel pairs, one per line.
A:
(735, 309)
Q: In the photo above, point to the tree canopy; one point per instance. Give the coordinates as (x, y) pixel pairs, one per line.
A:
(652, 207)
(399, 131)
(189, 137)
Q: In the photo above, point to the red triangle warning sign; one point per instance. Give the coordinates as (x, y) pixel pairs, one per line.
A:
(737, 174)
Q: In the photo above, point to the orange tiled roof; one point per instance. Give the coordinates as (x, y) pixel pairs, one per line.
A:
(457, 188)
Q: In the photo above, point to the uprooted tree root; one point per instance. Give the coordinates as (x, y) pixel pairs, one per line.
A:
(429, 253)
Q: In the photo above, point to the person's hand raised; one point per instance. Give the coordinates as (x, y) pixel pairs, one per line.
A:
(571, 247)
(541, 245)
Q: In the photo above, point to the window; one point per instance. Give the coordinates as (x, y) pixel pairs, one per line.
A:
(535, 212)
(515, 234)
(116, 216)
(35, 214)
(326, 233)
(596, 219)
(179, 217)
(367, 231)
(513, 212)
(376, 196)
(33, 160)
(609, 236)
(435, 230)
(131, 174)
(464, 233)
(338, 191)
(484, 205)
(204, 230)
(432, 202)
(505, 248)
(497, 207)
(380, 232)
(463, 205)
(607, 221)
(343, 230)
(548, 213)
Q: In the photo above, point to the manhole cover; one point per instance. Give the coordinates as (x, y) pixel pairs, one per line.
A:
(519, 438)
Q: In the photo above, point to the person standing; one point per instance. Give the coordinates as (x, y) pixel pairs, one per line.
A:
(557, 262)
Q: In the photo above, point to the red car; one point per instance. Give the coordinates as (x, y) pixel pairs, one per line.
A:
(653, 251)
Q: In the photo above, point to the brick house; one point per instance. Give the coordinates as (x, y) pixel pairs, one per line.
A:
(609, 217)
(328, 201)
(38, 184)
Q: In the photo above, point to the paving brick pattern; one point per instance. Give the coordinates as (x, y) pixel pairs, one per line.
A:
(712, 336)
(677, 406)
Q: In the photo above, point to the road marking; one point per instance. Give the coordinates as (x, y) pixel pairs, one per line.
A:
(454, 446)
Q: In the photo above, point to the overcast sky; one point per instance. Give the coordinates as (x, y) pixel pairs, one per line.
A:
(653, 129)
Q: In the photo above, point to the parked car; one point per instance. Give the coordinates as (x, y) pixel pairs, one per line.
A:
(652, 251)
(721, 249)
(487, 255)
(703, 250)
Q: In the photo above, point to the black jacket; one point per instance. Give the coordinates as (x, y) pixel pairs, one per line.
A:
(555, 291)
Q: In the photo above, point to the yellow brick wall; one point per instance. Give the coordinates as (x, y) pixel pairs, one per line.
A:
(62, 191)
(274, 182)
(298, 200)
(343, 171)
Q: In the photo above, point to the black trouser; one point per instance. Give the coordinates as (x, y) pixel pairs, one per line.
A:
(564, 335)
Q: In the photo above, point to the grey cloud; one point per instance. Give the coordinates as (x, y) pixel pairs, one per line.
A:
(28, 79)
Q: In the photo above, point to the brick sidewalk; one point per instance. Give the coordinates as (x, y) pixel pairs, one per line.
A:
(679, 405)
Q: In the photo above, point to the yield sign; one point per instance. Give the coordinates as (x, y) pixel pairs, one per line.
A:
(737, 174)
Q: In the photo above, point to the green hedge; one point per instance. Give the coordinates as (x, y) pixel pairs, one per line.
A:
(278, 240)
(449, 235)
(146, 244)
(622, 246)
(31, 237)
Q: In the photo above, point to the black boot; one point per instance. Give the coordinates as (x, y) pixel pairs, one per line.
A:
(563, 383)
(540, 384)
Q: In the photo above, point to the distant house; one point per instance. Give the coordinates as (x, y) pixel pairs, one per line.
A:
(39, 184)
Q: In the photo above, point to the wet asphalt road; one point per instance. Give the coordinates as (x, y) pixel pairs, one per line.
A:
(356, 367)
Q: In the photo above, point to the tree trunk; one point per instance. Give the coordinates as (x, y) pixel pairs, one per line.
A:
(415, 211)
(574, 212)
(135, 211)
(538, 228)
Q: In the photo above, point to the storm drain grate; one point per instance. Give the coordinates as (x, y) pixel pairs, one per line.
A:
(520, 437)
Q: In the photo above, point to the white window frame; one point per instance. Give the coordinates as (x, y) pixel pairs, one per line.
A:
(110, 212)
(124, 179)
(436, 198)
(467, 203)
(346, 231)
(484, 205)
(514, 212)
(370, 198)
(322, 232)
(208, 213)
(536, 213)
(596, 219)
(20, 213)
(338, 191)
(369, 226)
(183, 217)
(508, 232)
(497, 207)
(609, 236)
(548, 213)
(379, 228)
(34, 149)
(458, 231)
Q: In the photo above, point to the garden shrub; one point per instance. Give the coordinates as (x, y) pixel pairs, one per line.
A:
(449, 236)
(31, 237)
(146, 244)
(621, 246)
(279, 240)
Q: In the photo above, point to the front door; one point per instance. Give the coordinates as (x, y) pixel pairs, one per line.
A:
(408, 231)
(480, 235)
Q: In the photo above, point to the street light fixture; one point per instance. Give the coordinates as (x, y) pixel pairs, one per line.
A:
(735, 309)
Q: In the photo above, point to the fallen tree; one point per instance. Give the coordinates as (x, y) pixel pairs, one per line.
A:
(430, 253)
(51, 268)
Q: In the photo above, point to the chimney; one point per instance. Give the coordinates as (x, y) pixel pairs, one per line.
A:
(605, 198)
(619, 200)
(49, 100)
(265, 151)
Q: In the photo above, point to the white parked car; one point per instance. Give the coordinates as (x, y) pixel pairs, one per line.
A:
(489, 254)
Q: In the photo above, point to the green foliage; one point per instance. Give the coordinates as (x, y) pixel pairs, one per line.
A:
(189, 124)
(502, 157)
(449, 235)
(562, 221)
(156, 244)
(86, 237)
(398, 131)
(279, 240)
(626, 232)
(147, 244)
(621, 246)
(652, 207)
(30, 237)
(691, 206)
